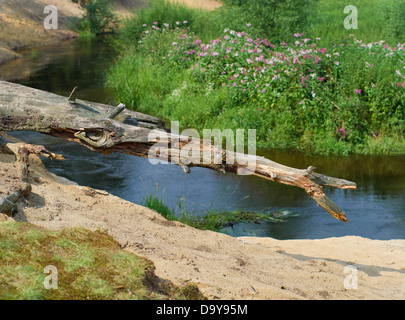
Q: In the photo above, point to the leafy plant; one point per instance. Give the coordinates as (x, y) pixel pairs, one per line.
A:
(303, 93)
(99, 18)
(395, 17)
(212, 219)
(272, 18)
(297, 92)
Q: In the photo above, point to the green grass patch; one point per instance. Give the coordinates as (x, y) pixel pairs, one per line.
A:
(322, 89)
(212, 219)
(90, 265)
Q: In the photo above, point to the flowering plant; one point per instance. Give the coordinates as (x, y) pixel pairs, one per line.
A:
(292, 93)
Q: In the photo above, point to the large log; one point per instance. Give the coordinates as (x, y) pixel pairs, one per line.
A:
(107, 129)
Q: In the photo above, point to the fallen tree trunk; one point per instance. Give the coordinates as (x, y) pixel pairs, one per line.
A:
(108, 129)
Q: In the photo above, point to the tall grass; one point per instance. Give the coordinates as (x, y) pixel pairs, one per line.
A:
(377, 20)
(212, 219)
(157, 12)
(323, 90)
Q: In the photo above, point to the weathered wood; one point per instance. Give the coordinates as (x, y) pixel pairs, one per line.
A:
(23, 151)
(116, 111)
(87, 123)
(8, 203)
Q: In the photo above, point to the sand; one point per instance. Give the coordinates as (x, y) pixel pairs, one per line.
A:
(200, 4)
(222, 266)
(22, 25)
(22, 22)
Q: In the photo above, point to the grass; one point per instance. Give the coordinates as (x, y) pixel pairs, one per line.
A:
(212, 219)
(90, 265)
(201, 21)
(376, 21)
(156, 74)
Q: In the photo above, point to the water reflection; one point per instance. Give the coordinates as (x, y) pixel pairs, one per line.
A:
(375, 210)
(59, 68)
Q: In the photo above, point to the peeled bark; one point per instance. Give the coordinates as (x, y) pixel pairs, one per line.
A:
(91, 125)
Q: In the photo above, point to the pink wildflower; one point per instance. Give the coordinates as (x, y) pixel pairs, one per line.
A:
(342, 131)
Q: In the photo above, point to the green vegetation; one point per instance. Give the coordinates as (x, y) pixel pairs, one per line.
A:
(98, 19)
(90, 265)
(212, 219)
(377, 20)
(288, 69)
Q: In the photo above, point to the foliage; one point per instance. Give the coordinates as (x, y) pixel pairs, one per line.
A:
(303, 92)
(395, 17)
(90, 265)
(291, 93)
(155, 203)
(376, 21)
(157, 12)
(98, 18)
(212, 219)
(273, 19)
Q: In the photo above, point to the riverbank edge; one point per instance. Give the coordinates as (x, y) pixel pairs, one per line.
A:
(223, 267)
(7, 55)
(22, 25)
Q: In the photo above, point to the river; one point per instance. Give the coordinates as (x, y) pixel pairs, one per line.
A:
(375, 210)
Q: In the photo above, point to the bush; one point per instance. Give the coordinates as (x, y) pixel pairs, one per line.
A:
(302, 92)
(171, 13)
(395, 17)
(275, 19)
(99, 18)
(299, 95)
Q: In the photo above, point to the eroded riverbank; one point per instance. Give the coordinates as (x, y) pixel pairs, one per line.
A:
(222, 266)
(375, 210)
(225, 267)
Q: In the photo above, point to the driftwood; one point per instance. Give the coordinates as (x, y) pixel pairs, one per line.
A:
(8, 203)
(109, 129)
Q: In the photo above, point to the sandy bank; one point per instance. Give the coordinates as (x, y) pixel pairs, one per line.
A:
(222, 266)
(200, 4)
(22, 25)
(22, 22)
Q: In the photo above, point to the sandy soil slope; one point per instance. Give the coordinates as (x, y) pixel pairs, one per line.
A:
(204, 4)
(222, 266)
(22, 21)
(22, 24)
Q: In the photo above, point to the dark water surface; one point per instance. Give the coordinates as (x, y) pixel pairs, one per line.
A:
(375, 210)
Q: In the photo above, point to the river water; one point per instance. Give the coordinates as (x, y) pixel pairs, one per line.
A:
(375, 210)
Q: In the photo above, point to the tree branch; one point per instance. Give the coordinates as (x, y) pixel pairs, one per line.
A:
(90, 124)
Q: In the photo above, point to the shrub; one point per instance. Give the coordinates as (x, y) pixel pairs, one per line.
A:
(299, 95)
(395, 17)
(275, 19)
(99, 18)
(298, 92)
(157, 12)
